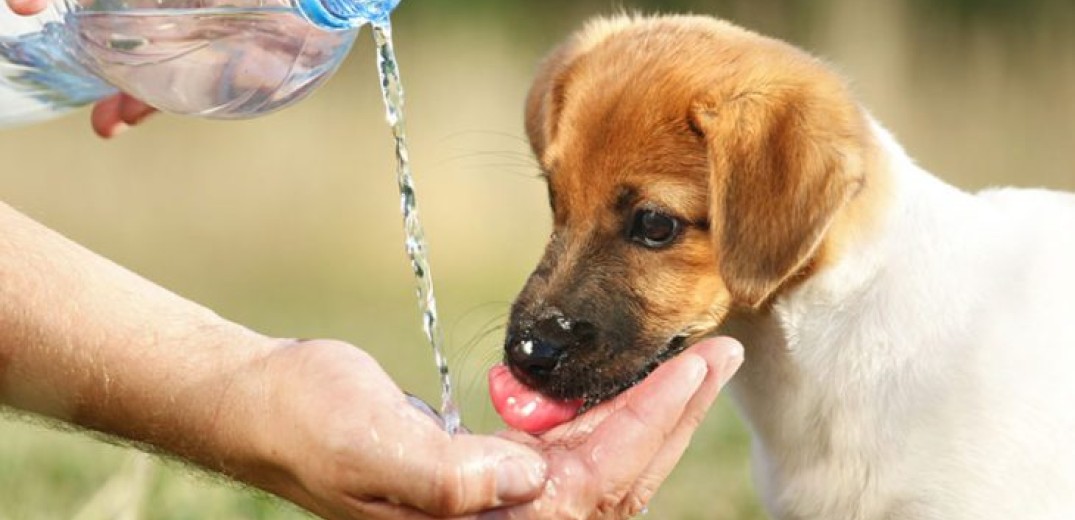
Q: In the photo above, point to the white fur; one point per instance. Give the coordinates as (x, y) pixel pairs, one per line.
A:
(930, 373)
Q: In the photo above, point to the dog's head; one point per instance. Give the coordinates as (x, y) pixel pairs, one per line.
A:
(693, 168)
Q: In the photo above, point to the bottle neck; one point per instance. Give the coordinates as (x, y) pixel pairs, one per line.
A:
(347, 14)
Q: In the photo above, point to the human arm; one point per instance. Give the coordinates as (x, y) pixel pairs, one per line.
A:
(84, 341)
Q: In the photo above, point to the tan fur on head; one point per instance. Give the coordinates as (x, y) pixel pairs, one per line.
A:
(543, 95)
(755, 147)
(545, 98)
(787, 145)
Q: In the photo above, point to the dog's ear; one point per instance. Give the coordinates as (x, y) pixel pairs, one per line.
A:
(783, 162)
(546, 98)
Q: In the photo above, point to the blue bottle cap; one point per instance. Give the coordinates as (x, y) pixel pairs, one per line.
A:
(345, 14)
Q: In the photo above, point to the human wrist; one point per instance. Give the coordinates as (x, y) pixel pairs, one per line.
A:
(210, 414)
(242, 426)
(315, 404)
(265, 437)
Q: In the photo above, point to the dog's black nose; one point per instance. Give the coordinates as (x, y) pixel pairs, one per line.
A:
(535, 357)
(537, 350)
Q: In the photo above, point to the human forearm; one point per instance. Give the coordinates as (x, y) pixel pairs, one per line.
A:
(85, 341)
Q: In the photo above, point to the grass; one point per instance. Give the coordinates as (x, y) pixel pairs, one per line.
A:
(289, 223)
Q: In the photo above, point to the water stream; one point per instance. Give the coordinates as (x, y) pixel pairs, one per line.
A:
(392, 89)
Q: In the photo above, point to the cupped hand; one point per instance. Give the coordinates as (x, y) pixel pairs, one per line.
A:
(111, 116)
(344, 443)
(354, 448)
(608, 463)
(351, 446)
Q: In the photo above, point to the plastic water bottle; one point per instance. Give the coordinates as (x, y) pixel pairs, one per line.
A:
(209, 58)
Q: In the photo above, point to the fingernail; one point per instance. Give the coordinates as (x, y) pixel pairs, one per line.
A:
(696, 371)
(733, 359)
(519, 479)
(117, 130)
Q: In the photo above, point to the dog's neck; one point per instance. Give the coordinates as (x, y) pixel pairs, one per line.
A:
(830, 364)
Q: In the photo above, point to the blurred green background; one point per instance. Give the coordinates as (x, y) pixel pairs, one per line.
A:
(290, 223)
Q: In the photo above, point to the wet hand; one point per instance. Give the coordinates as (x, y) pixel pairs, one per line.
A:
(608, 463)
(341, 440)
(111, 116)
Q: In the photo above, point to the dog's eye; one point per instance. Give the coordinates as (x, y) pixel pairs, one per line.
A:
(654, 229)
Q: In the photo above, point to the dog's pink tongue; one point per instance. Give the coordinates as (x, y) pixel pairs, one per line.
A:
(524, 409)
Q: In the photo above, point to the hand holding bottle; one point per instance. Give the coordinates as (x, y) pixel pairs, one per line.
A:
(111, 116)
(220, 59)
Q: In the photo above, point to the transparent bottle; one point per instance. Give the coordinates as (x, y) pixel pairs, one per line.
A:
(224, 59)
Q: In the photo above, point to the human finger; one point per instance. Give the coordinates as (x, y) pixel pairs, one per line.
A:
(453, 476)
(723, 356)
(648, 414)
(600, 455)
(133, 111)
(106, 119)
(580, 429)
(27, 7)
(384, 510)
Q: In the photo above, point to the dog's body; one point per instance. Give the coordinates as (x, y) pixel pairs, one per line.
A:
(908, 344)
(928, 373)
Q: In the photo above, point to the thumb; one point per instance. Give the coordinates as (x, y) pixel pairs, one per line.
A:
(466, 474)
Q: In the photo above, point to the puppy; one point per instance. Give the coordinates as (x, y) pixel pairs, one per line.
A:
(909, 346)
